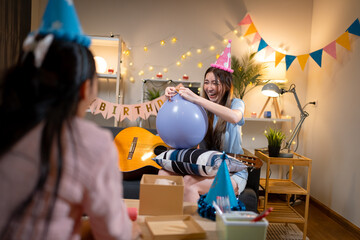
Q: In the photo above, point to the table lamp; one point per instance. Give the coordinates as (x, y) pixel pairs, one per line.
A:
(272, 90)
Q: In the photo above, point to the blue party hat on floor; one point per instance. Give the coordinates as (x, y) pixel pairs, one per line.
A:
(221, 185)
(61, 20)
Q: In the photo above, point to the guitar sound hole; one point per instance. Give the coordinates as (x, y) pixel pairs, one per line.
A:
(159, 149)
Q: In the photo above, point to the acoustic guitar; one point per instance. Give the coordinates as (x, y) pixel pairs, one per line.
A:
(137, 146)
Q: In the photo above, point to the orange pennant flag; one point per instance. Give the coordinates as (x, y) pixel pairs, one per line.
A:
(344, 41)
(278, 57)
(302, 60)
(250, 30)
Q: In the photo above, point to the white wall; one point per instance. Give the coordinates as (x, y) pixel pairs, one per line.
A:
(328, 134)
(332, 131)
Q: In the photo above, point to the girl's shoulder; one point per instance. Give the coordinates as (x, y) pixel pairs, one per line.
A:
(237, 102)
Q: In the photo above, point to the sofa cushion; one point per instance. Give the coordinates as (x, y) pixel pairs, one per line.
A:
(199, 162)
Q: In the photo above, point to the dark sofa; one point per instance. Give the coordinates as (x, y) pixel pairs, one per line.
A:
(249, 196)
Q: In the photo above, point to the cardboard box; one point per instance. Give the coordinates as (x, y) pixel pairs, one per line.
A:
(237, 223)
(174, 227)
(156, 199)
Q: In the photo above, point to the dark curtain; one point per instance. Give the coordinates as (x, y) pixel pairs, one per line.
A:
(15, 24)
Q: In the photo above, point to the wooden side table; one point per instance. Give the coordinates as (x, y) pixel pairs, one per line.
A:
(284, 213)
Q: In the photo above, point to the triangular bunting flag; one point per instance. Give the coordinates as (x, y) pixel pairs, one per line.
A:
(262, 45)
(278, 57)
(256, 38)
(331, 49)
(246, 20)
(317, 56)
(344, 41)
(288, 60)
(354, 28)
(269, 51)
(302, 60)
(250, 30)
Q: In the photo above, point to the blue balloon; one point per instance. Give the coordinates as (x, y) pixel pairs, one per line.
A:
(181, 123)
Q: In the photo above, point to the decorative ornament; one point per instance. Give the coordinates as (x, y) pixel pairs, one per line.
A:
(222, 187)
(159, 75)
(185, 77)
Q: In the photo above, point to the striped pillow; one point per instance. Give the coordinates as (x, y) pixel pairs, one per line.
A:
(199, 162)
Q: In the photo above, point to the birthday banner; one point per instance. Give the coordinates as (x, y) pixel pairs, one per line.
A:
(122, 111)
(330, 49)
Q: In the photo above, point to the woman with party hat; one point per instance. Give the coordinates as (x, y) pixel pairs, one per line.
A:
(225, 117)
(55, 166)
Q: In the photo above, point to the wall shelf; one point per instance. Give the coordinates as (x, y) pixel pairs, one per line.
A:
(287, 119)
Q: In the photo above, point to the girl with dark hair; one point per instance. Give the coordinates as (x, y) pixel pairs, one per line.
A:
(55, 166)
(225, 118)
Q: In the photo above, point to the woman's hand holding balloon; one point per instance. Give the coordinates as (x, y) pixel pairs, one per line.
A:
(188, 94)
(170, 92)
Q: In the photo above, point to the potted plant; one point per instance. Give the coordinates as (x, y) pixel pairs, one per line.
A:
(275, 138)
(247, 74)
(152, 94)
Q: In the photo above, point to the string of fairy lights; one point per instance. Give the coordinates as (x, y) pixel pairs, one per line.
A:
(211, 51)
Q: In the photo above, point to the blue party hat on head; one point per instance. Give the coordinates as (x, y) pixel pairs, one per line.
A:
(61, 20)
(221, 185)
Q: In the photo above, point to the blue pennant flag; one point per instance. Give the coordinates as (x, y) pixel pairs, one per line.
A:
(288, 60)
(354, 28)
(262, 45)
(317, 56)
(222, 185)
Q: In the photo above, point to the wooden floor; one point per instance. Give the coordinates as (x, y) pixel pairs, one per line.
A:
(323, 227)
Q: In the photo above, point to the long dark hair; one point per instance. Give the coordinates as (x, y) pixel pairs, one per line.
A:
(48, 95)
(213, 137)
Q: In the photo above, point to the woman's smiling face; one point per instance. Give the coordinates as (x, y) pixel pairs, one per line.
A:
(212, 87)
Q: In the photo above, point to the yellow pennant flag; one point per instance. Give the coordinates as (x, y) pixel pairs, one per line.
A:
(278, 57)
(302, 60)
(250, 30)
(344, 41)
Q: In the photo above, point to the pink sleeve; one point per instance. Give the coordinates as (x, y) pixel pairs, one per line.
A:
(104, 200)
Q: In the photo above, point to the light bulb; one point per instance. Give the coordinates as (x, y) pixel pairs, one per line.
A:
(188, 53)
(212, 48)
(217, 56)
(173, 40)
(146, 49)
(236, 31)
(200, 65)
(178, 63)
(165, 70)
(141, 73)
(198, 51)
(151, 68)
(132, 80)
(162, 42)
(183, 57)
(225, 41)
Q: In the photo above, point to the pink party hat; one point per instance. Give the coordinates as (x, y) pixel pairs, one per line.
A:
(224, 61)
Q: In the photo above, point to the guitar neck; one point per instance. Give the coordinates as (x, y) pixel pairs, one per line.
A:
(250, 161)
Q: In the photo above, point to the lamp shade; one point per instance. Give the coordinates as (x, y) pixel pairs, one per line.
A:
(271, 90)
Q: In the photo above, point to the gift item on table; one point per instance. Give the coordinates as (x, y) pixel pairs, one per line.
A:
(221, 192)
(159, 199)
(234, 224)
(267, 114)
